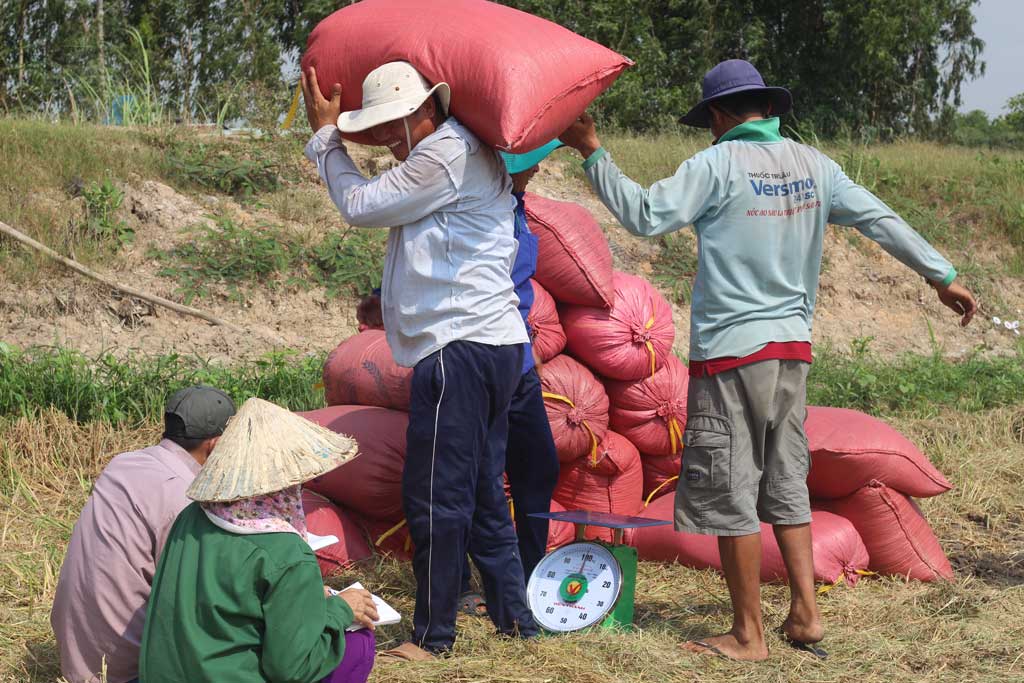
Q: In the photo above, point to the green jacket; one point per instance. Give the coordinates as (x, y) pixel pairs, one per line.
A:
(228, 607)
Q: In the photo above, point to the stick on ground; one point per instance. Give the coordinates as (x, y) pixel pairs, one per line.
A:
(130, 291)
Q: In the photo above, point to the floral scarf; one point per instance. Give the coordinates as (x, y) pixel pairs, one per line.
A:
(277, 511)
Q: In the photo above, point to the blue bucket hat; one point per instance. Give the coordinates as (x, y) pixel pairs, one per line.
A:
(517, 163)
(728, 78)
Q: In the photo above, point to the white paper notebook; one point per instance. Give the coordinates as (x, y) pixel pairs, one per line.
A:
(318, 542)
(386, 614)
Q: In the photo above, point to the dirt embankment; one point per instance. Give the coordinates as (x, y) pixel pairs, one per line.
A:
(864, 293)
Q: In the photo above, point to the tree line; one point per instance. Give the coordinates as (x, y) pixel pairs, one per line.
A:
(873, 67)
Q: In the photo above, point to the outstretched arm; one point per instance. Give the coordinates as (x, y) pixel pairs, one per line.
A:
(666, 206)
(855, 206)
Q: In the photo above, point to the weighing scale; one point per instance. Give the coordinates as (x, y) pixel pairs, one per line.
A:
(584, 583)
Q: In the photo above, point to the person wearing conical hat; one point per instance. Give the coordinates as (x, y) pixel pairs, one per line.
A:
(450, 312)
(759, 205)
(238, 593)
(105, 580)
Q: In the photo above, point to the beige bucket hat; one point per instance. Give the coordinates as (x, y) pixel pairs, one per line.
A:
(392, 91)
(266, 448)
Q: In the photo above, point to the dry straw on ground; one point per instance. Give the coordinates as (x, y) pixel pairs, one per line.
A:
(971, 629)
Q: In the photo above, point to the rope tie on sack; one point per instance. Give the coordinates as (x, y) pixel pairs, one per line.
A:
(575, 417)
(842, 579)
(390, 532)
(668, 412)
(660, 487)
(643, 336)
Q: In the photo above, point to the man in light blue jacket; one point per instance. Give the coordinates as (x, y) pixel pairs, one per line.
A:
(759, 204)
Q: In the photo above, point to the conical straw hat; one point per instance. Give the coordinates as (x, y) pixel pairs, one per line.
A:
(266, 448)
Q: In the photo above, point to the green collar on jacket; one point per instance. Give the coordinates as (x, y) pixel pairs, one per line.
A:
(758, 130)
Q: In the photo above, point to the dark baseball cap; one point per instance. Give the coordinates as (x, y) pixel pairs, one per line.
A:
(203, 411)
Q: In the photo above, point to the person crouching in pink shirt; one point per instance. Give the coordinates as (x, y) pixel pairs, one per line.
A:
(100, 605)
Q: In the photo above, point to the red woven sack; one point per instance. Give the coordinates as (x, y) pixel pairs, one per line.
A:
(361, 371)
(546, 331)
(574, 262)
(559, 533)
(387, 537)
(615, 454)
(651, 412)
(895, 532)
(371, 484)
(577, 408)
(850, 449)
(839, 553)
(661, 474)
(517, 80)
(324, 518)
(630, 341)
(581, 488)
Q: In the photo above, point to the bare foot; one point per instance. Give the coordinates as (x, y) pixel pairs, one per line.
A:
(803, 628)
(728, 646)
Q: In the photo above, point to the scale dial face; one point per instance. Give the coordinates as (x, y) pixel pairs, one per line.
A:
(574, 586)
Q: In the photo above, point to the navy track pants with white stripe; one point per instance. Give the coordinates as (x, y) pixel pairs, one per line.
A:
(452, 488)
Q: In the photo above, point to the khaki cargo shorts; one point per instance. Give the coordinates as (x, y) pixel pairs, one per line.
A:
(746, 456)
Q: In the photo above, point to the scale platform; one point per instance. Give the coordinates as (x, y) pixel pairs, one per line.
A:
(586, 583)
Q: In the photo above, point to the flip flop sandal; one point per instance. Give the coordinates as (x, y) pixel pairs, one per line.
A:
(811, 648)
(708, 649)
(406, 652)
(473, 604)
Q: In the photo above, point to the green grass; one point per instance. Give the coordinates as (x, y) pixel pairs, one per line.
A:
(915, 385)
(229, 256)
(40, 162)
(133, 390)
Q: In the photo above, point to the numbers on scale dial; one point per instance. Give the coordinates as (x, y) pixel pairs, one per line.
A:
(574, 586)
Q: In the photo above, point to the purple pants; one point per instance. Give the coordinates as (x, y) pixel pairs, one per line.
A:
(358, 660)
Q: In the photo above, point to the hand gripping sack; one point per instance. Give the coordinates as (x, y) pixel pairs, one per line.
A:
(581, 488)
(661, 475)
(546, 333)
(632, 340)
(361, 371)
(371, 484)
(577, 408)
(516, 80)
(895, 532)
(850, 449)
(574, 262)
(324, 518)
(651, 412)
(839, 554)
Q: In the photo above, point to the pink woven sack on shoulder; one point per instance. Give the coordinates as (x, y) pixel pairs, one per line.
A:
(574, 262)
(630, 341)
(517, 80)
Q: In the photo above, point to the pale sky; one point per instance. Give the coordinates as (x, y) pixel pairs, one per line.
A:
(999, 25)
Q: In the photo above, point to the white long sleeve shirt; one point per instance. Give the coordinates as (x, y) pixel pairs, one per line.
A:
(449, 206)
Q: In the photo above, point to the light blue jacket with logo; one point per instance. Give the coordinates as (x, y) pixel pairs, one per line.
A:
(759, 204)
